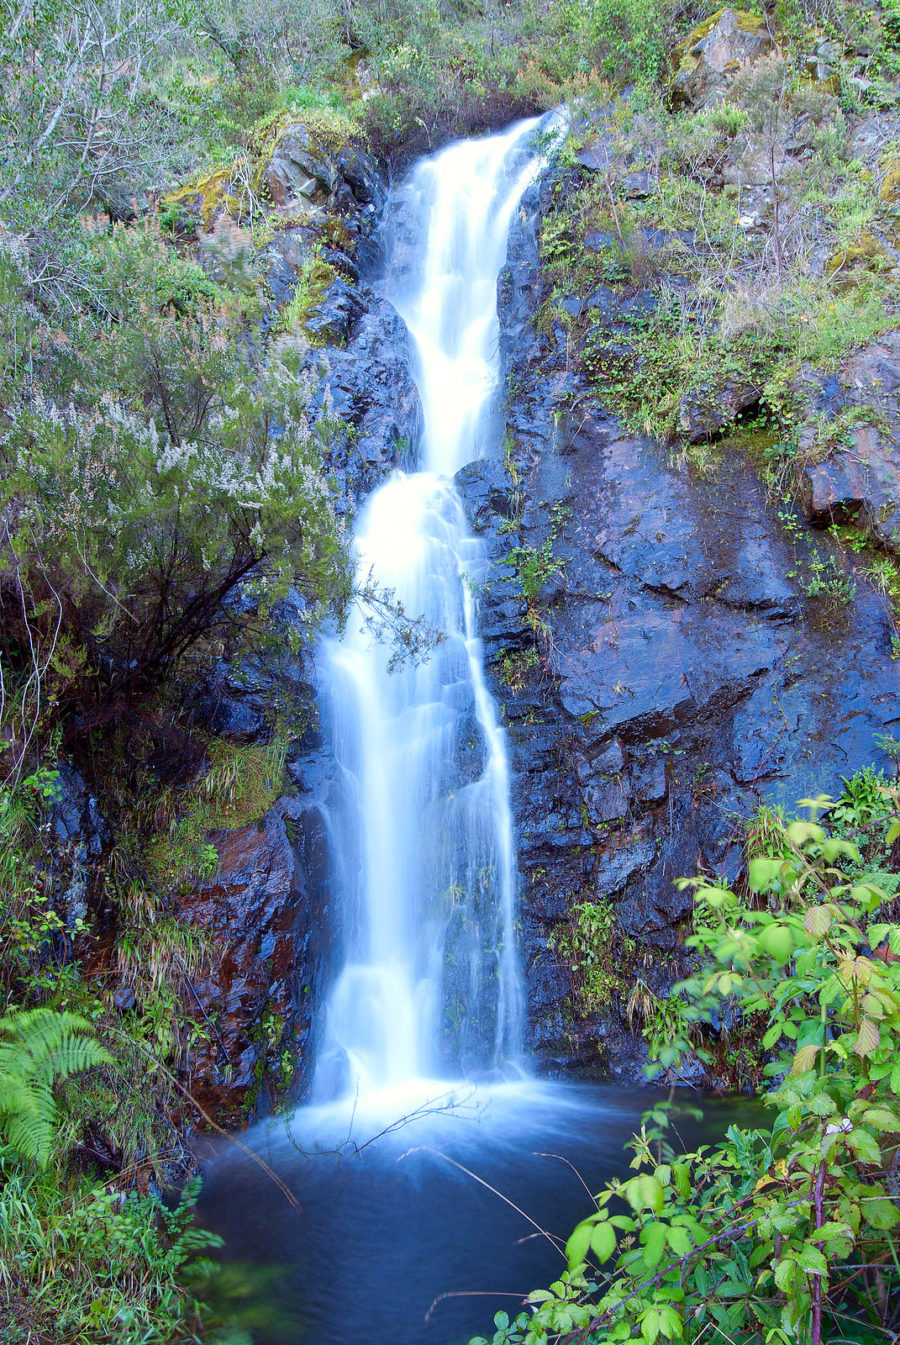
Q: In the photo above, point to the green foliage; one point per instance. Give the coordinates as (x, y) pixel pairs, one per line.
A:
(596, 952)
(786, 1232)
(313, 280)
(38, 1047)
(82, 1263)
(734, 298)
(534, 566)
(515, 666)
(77, 127)
(622, 40)
(162, 467)
(239, 786)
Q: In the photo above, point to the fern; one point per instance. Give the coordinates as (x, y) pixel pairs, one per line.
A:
(37, 1047)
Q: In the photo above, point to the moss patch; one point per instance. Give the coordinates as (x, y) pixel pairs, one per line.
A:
(890, 186)
(204, 195)
(239, 787)
(867, 253)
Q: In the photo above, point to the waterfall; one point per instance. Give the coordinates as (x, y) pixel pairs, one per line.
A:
(429, 984)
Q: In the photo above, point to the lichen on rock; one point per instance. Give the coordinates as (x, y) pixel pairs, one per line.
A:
(710, 58)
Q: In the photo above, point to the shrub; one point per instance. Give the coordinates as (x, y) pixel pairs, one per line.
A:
(85, 1263)
(162, 467)
(785, 1232)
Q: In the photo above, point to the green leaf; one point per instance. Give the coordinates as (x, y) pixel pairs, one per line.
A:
(817, 920)
(785, 1270)
(864, 1145)
(878, 933)
(832, 1229)
(644, 1192)
(834, 847)
(670, 1323)
(881, 1118)
(650, 1325)
(680, 1241)
(810, 1259)
(578, 1244)
(764, 873)
(653, 1237)
(681, 1176)
(603, 1241)
(778, 941)
(880, 1212)
(801, 833)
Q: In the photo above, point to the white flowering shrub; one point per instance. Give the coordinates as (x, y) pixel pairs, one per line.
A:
(157, 465)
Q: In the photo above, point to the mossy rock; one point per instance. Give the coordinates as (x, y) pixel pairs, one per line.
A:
(713, 53)
(890, 186)
(747, 22)
(204, 197)
(868, 253)
(326, 130)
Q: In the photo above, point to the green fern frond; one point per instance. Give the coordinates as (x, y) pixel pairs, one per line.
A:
(40, 1046)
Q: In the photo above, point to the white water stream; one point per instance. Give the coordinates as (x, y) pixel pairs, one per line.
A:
(430, 985)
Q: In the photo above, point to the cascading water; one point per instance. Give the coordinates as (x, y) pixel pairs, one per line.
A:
(430, 984)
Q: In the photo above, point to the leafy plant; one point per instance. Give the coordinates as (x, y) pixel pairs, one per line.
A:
(38, 1047)
(595, 951)
(162, 468)
(83, 1263)
(785, 1232)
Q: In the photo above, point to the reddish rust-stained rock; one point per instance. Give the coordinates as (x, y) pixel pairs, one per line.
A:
(266, 914)
(833, 491)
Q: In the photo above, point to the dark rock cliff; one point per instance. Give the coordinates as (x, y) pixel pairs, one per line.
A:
(662, 670)
(680, 674)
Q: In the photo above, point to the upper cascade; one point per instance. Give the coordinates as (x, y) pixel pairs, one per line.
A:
(461, 203)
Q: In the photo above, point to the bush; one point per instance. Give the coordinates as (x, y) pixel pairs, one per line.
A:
(785, 1232)
(161, 468)
(84, 1263)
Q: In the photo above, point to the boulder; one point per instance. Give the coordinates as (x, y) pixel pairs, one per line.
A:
(298, 173)
(332, 321)
(714, 53)
(860, 484)
(702, 416)
(859, 480)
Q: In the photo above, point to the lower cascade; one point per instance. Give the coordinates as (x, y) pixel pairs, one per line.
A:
(430, 984)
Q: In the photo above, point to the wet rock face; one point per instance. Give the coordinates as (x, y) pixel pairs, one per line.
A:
(683, 677)
(361, 351)
(374, 396)
(79, 836)
(266, 916)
